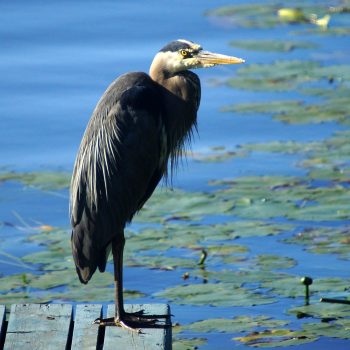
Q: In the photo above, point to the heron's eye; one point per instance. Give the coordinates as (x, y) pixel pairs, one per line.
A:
(184, 53)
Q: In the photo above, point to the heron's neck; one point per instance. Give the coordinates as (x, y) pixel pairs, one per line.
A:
(174, 83)
(160, 75)
(179, 102)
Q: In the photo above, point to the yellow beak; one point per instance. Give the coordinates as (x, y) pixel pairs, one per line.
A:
(210, 58)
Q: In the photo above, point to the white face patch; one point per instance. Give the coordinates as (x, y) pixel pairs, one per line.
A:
(170, 60)
(173, 61)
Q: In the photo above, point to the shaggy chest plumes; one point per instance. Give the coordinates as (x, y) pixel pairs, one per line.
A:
(180, 94)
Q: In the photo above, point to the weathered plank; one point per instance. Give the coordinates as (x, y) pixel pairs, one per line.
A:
(85, 333)
(151, 338)
(2, 324)
(37, 326)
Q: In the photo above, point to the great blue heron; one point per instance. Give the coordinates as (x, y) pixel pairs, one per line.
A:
(140, 124)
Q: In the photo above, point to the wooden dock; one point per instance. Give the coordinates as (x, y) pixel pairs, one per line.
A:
(55, 326)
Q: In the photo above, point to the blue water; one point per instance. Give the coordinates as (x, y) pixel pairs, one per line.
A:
(57, 58)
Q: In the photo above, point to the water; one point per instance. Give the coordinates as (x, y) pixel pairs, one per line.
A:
(56, 60)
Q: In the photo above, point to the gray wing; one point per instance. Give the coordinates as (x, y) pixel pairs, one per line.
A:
(116, 170)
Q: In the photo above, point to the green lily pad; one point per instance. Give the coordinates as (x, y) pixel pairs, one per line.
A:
(317, 16)
(273, 262)
(18, 281)
(227, 249)
(193, 238)
(215, 155)
(324, 240)
(234, 325)
(276, 338)
(336, 329)
(160, 262)
(94, 294)
(42, 180)
(322, 311)
(278, 76)
(188, 344)
(272, 107)
(285, 147)
(331, 91)
(273, 197)
(202, 294)
(272, 45)
(295, 112)
(247, 15)
(326, 159)
(23, 297)
(180, 204)
(291, 287)
(47, 257)
(67, 277)
(243, 229)
(286, 75)
(78, 293)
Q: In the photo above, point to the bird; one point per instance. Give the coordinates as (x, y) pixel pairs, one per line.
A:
(135, 136)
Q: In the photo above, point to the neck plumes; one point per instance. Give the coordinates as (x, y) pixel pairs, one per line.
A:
(180, 94)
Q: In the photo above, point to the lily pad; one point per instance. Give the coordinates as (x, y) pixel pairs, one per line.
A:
(274, 197)
(182, 204)
(334, 329)
(94, 294)
(247, 15)
(276, 338)
(215, 155)
(286, 75)
(322, 311)
(188, 344)
(272, 15)
(324, 240)
(79, 293)
(42, 180)
(18, 281)
(295, 112)
(160, 262)
(225, 295)
(273, 262)
(272, 45)
(234, 325)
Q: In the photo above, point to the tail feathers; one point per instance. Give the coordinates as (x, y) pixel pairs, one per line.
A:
(87, 259)
(85, 271)
(85, 274)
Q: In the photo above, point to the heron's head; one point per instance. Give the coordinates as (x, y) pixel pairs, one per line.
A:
(182, 55)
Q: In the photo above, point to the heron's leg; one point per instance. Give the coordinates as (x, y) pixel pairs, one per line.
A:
(130, 320)
(118, 250)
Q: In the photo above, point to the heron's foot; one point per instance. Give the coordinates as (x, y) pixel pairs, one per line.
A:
(133, 321)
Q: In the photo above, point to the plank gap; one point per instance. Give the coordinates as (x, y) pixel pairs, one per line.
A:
(70, 333)
(3, 326)
(100, 338)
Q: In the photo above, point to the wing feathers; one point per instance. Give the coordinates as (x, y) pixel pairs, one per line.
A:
(117, 167)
